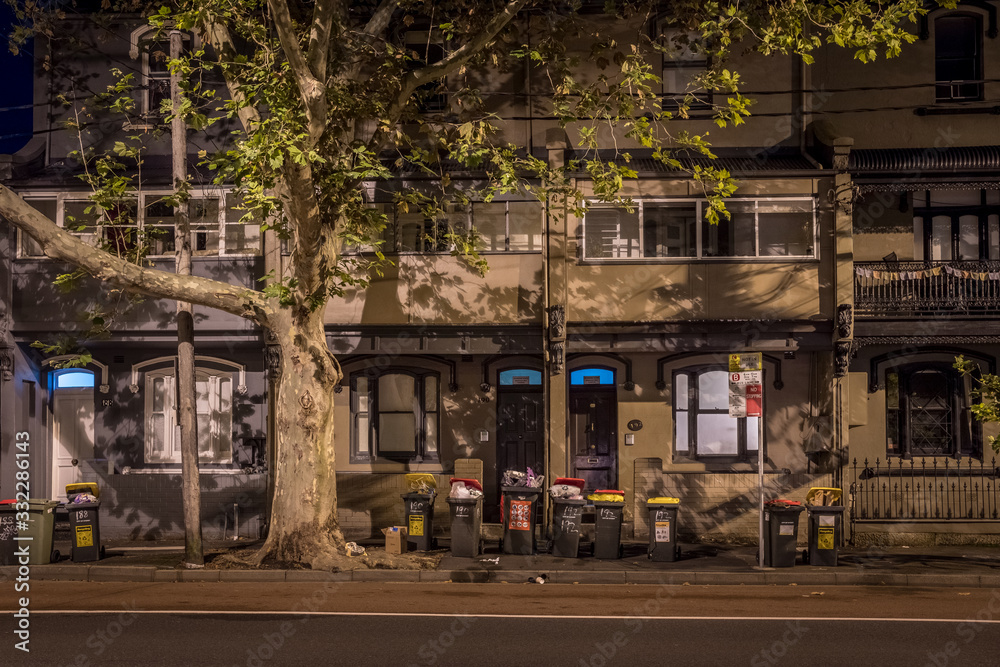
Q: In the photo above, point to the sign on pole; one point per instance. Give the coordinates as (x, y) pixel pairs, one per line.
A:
(744, 361)
(754, 400)
(746, 399)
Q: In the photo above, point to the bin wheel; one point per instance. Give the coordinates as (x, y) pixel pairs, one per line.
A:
(102, 552)
(805, 556)
(621, 550)
(677, 553)
(54, 556)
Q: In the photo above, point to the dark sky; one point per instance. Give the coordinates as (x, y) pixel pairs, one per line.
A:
(15, 90)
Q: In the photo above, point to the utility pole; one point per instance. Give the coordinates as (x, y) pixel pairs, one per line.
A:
(194, 555)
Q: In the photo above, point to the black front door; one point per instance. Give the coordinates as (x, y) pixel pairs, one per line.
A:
(519, 439)
(593, 413)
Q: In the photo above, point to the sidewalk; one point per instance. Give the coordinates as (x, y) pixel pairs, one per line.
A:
(704, 564)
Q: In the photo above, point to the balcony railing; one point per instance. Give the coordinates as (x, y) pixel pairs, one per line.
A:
(914, 289)
(943, 490)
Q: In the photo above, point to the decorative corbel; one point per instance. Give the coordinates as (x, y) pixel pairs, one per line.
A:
(845, 320)
(6, 363)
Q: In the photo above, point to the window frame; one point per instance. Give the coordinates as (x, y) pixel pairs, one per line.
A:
(226, 199)
(951, 87)
(701, 206)
(684, 58)
(743, 453)
(959, 404)
(220, 429)
(421, 453)
(988, 226)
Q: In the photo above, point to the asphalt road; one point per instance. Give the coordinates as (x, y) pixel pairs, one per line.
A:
(515, 624)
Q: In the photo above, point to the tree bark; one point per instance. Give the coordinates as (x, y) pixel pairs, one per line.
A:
(194, 555)
(304, 526)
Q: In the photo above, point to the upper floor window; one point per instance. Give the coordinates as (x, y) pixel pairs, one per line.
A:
(958, 57)
(703, 429)
(928, 412)
(427, 48)
(500, 226)
(954, 225)
(214, 220)
(684, 58)
(395, 415)
(671, 229)
(213, 403)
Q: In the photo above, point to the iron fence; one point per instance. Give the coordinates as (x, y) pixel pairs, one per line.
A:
(941, 490)
(907, 289)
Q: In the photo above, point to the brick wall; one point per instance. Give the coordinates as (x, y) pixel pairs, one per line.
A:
(716, 506)
(149, 507)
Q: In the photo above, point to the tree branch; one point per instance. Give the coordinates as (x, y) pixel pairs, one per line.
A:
(453, 62)
(380, 19)
(218, 36)
(319, 38)
(312, 91)
(59, 244)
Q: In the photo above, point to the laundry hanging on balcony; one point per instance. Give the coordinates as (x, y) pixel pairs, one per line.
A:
(926, 273)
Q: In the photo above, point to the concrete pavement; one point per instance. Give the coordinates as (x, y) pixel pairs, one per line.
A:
(700, 564)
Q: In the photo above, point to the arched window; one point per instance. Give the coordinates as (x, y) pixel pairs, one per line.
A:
(958, 57)
(703, 429)
(520, 376)
(592, 376)
(395, 415)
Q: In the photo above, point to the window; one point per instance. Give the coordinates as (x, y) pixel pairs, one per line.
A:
(958, 60)
(670, 229)
(74, 379)
(502, 226)
(520, 377)
(395, 415)
(426, 49)
(927, 412)
(213, 401)
(703, 429)
(47, 207)
(684, 58)
(953, 225)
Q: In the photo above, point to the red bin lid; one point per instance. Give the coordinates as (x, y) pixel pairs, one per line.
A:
(569, 481)
(610, 491)
(469, 483)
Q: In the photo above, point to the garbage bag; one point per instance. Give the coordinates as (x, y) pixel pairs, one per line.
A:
(566, 491)
(513, 478)
(533, 480)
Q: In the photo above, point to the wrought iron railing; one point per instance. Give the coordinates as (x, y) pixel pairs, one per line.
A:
(941, 489)
(908, 289)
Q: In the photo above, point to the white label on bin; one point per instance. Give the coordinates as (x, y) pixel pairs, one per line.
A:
(462, 510)
(827, 520)
(608, 514)
(569, 527)
(786, 529)
(662, 532)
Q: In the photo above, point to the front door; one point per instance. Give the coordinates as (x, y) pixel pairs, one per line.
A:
(72, 436)
(520, 444)
(593, 414)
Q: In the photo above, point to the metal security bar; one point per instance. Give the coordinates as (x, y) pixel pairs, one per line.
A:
(941, 489)
(908, 289)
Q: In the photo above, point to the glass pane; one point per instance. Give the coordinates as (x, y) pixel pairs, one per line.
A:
(204, 219)
(678, 82)
(669, 230)
(74, 380)
(159, 394)
(46, 207)
(525, 226)
(611, 233)
(242, 239)
(396, 393)
(681, 431)
(892, 390)
(592, 376)
(785, 228)
(490, 220)
(202, 403)
(205, 436)
(77, 220)
(520, 376)
(681, 391)
(225, 407)
(734, 237)
(430, 434)
(159, 56)
(993, 223)
(157, 425)
(396, 433)
(941, 238)
(752, 433)
(717, 435)
(361, 395)
(968, 237)
(713, 391)
(362, 434)
(411, 232)
(431, 393)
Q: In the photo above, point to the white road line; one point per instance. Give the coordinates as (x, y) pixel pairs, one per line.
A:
(285, 612)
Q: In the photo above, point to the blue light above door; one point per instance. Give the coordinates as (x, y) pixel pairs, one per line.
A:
(592, 376)
(520, 376)
(74, 380)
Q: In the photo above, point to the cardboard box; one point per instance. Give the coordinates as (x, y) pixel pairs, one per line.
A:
(395, 540)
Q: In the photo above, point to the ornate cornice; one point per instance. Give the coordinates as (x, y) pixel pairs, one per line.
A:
(925, 340)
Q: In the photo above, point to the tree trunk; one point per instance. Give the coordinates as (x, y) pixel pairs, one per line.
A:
(303, 525)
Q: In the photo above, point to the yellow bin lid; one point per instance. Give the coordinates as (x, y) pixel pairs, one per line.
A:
(82, 487)
(663, 500)
(414, 480)
(826, 493)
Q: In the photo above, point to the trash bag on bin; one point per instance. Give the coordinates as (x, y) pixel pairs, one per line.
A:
(570, 488)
